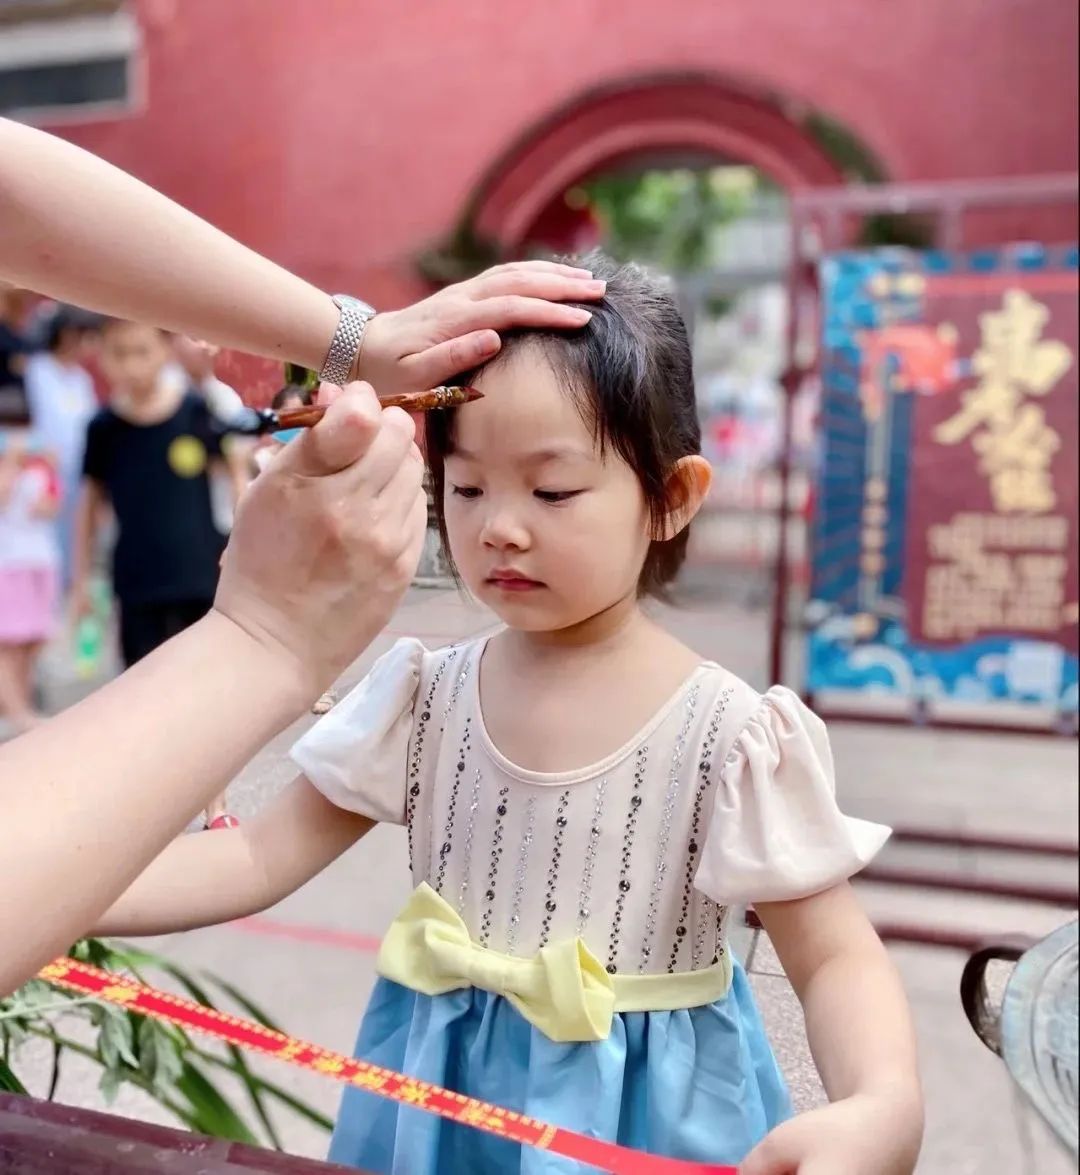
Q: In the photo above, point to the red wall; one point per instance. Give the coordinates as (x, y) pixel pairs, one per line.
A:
(341, 136)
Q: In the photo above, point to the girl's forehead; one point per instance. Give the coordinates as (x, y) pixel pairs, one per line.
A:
(525, 406)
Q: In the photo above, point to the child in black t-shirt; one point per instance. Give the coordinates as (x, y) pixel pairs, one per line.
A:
(150, 455)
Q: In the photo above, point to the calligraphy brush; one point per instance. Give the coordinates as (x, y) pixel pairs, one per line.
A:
(255, 422)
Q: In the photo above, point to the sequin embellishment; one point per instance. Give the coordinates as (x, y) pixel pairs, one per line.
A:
(519, 875)
(667, 815)
(417, 754)
(585, 894)
(693, 849)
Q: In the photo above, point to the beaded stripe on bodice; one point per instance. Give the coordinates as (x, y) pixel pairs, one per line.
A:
(608, 854)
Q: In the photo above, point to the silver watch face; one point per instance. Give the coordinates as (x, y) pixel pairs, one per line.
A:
(343, 300)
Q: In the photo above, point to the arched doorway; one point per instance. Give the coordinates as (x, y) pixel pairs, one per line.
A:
(601, 129)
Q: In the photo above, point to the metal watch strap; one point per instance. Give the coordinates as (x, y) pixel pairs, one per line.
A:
(345, 345)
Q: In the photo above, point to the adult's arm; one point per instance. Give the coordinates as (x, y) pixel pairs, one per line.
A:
(324, 545)
(80, 230)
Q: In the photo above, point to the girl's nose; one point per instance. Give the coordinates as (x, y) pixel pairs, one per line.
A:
(502, 530)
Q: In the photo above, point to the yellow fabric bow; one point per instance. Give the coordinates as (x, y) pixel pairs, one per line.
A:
(563, 990)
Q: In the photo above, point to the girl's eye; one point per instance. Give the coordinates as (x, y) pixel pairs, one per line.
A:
(467, 491)
(556, 495)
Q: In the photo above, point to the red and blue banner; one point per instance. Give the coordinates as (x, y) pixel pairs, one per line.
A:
(944, 580)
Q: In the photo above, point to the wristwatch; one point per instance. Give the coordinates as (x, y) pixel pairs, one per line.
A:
(347, 340)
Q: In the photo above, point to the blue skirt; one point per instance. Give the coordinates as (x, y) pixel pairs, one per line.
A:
(700, 1083)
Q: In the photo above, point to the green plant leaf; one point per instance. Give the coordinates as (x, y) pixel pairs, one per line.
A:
(251, 1008)
(269, 1089)
(111, 1080)
(14, 1033)
(159, 1056)
(9, 1083)
(295, 374)
(54, 1076)
(314, 1116)
(34, 994)
(91, 950)
(237, 1061)
(164, 1053)
(116, 1040)
(211, 1112)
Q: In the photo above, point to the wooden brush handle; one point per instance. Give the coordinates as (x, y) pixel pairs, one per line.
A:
(310, 415)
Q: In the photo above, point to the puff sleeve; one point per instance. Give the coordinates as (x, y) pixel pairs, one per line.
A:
(357, 754)
(776, 832)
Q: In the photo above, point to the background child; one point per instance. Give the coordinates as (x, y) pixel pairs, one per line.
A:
(149, 456)
(62, 402)
(192, 368)
(29, 568)
(586, 800)
(14, 349)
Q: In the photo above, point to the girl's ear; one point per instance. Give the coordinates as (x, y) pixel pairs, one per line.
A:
(687, 488)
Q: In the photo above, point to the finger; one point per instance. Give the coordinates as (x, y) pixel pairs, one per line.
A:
(555, 287)
(386, 453)
(416, 529)
(327, 394)
(536, 267)
(413, 532)
(341, 438)
(511, 310)
(437, 364)
(398, 497)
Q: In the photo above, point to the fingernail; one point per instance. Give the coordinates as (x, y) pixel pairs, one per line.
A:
(582, 316)
(488, 343)
(597, 287)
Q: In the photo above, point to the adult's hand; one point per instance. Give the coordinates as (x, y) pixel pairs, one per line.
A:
(110, 237)
(457, 328)
(327, 539)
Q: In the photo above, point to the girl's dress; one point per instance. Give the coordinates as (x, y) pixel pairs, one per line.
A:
(564, 953)
(29, 559)
(62, 404)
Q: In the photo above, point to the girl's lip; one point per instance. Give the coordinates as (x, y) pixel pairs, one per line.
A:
(513, 582)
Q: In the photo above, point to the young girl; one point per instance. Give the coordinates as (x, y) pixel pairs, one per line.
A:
(29, 569)
(585, 799)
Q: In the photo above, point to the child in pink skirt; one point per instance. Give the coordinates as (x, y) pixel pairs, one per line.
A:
(29, 570)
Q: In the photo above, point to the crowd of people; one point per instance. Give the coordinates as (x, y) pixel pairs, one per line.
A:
(147, 461)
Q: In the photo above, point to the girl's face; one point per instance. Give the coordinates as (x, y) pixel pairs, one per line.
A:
(543, 530)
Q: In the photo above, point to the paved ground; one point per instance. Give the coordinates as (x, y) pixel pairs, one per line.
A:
(309, 961)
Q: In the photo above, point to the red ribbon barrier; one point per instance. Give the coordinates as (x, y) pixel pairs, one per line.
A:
(246, 1034)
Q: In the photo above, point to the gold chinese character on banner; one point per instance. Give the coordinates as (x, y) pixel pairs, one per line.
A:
(1017, 460)
(1012, 437)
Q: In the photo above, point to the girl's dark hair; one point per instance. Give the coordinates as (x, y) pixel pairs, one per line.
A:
(291, 392)
(630, 372)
